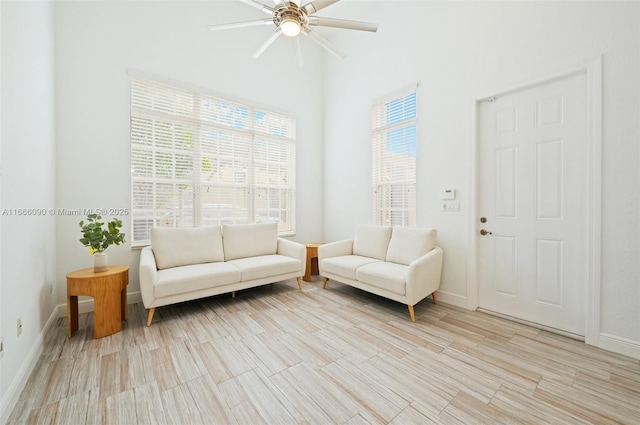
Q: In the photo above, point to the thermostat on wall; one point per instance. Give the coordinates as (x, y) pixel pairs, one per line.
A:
(448, 194)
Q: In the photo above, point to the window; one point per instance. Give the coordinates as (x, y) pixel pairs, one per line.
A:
(199, 160)
(394, 141)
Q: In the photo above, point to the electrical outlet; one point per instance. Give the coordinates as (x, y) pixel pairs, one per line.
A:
(19, 326)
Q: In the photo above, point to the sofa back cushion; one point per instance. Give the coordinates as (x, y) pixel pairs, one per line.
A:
(181, 247)
(249, 240)
(371, 241)
(408, 244)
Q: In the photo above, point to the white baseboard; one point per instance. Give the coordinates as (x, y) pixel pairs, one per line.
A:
(620, 345)
(12, 395)
(616, 344)
(613, 343)
(85, 304)
(452, 299)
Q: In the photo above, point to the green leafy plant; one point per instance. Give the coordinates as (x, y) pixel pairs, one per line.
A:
(96, 237)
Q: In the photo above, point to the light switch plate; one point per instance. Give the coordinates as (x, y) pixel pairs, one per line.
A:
(451, 206)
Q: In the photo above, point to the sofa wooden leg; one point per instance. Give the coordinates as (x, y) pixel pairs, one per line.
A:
(324, 282)
(433, 295)
(412, 313)
(150, 316)
(233, 294)
(299, 283)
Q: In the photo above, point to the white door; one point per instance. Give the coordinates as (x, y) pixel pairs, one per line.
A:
(533, 159)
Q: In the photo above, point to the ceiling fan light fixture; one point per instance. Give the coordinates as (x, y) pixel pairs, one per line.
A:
(290, 27)
(291, 18)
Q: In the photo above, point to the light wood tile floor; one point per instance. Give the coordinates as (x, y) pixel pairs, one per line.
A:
(278, 355)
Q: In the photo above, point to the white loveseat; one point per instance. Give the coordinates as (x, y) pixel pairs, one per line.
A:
(399, 263)
(191, 263)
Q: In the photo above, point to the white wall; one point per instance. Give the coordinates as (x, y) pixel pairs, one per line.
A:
(455, 50)
(96, 42)
(28, 181)
(458, 51)
(2, 403)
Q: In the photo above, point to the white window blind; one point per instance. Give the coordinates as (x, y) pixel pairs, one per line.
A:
(199, 160)
(394, 140)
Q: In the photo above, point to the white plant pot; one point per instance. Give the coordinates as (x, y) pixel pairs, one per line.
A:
(100, 262)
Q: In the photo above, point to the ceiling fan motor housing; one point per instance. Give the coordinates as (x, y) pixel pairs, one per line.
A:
(290, 15)
(291, 19)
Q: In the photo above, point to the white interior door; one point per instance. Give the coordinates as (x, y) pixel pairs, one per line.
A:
(533, 187)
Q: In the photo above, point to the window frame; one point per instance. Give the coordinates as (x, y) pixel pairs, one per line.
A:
(389, 123)
(265, 189)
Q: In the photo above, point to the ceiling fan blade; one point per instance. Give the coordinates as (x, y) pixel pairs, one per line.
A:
(343, 23)
(241, 24)
(324, 43)
(267, 43)
(317, 5)
(297, 51)
(258, 5)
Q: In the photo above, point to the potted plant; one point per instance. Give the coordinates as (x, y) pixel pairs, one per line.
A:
(99, 239)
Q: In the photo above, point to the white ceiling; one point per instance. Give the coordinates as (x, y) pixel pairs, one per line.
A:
(344, 9)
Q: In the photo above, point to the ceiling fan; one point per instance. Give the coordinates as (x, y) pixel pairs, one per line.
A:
(291, 18)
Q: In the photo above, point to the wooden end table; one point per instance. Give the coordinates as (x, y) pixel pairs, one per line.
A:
(312, 266)
(109, 292)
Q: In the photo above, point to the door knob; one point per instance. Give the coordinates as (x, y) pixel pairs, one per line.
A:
(485, 232)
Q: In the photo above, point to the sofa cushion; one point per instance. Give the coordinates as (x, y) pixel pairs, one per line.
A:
(249, 240)
(345, 265)
(388, 276)
(179, 280)
(265, 266)
(180, 247)
(371, 241)
(408, 244)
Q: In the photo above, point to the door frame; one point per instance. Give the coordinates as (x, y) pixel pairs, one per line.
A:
(593, 70)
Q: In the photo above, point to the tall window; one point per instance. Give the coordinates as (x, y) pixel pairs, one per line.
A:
(394, 141)
(199, 160)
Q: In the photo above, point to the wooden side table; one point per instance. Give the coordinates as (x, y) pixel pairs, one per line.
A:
(312, 266)
(109, 292)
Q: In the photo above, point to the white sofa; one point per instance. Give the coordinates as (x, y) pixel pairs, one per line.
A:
(399, 263)
(190, 263)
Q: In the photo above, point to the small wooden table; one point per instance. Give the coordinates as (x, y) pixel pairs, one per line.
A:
(109, 292)
(312, 266)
